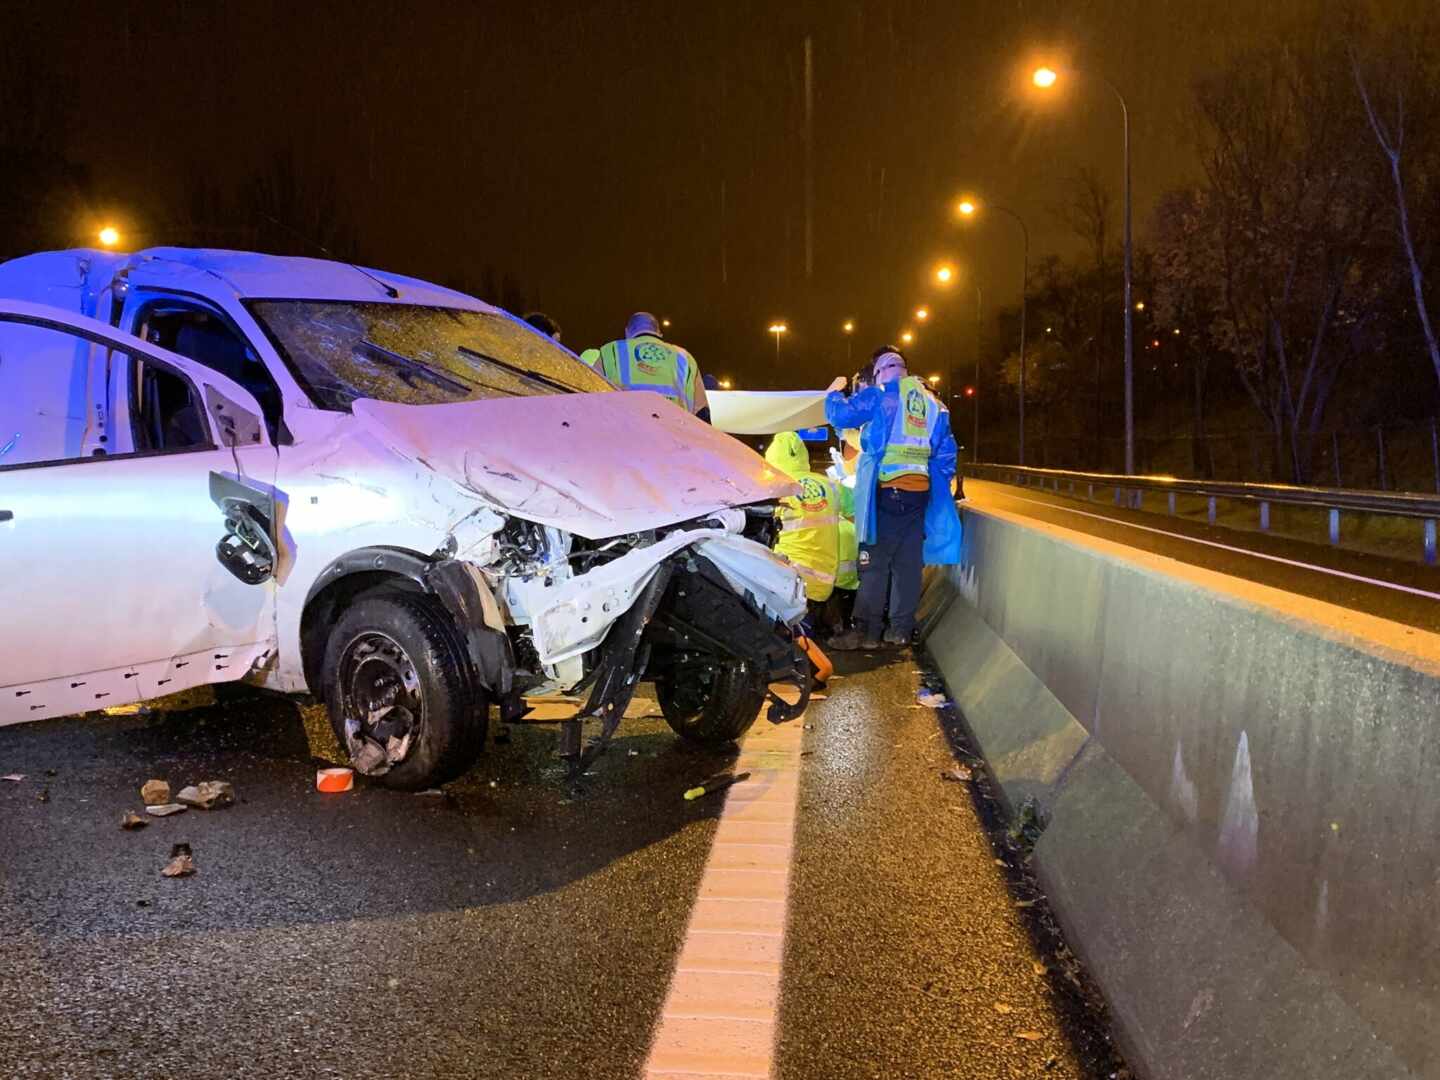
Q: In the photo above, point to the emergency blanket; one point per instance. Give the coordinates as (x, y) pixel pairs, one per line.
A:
(766, 412)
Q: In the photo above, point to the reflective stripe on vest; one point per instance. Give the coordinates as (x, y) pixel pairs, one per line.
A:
(908, 451)
(674, 383)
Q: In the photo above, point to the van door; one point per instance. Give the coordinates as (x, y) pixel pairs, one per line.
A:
(113, 558)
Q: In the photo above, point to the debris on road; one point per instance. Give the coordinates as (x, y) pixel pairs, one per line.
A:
(334, 780)
(13, 777)
(714, 784)
(1029, 1036)
(165, 810)
(209, 795)
(44, 795)
(132, 821)
(181, 864)
(155, 792)
(959, 774)
(932, 699)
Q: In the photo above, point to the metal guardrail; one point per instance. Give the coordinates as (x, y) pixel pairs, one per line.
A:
(1130, 492)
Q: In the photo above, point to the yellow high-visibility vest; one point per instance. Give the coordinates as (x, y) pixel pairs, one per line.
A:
(647, 363)
(908, 451)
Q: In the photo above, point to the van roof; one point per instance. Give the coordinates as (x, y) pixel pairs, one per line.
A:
(250, 275)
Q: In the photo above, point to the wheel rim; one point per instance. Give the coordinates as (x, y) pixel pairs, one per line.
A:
(690, 689)
(383, 706)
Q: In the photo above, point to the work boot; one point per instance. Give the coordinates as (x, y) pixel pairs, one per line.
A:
(896, 637)
(849, 641)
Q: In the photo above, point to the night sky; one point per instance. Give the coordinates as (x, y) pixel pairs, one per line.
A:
(624, 155)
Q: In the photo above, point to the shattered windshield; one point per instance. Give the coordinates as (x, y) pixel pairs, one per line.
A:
(413, 355)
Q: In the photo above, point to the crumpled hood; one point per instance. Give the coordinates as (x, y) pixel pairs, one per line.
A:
(787, 453)
(596, 465)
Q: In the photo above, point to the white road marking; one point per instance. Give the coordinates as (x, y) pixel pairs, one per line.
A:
(720, 1015)
(1227, 547)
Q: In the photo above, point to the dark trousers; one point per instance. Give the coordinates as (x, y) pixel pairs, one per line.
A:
(890, 568)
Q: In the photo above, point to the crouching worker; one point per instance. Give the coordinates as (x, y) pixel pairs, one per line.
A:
(809, 530)
(905, 516)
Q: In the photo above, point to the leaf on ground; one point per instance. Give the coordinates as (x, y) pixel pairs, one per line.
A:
(1029, 1036)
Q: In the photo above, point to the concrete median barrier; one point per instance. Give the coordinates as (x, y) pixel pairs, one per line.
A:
(1240, 793)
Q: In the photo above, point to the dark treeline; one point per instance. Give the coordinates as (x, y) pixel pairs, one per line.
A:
(1285, 302)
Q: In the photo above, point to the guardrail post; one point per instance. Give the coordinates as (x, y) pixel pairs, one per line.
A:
(1119, 495)
(1264, 517)
(1172, 502)
(1137, 499)
(1090, 492)
(1334, 526)
(1430, 541)
(1210, 510)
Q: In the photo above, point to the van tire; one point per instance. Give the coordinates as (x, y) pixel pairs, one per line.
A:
(403, 650)
(712, 704)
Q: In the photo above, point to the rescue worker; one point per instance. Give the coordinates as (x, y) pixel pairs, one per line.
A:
(809, 522)
(642, 360)
(905, 515)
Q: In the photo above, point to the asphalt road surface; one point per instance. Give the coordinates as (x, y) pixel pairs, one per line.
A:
(504, 928)
(1346, 578)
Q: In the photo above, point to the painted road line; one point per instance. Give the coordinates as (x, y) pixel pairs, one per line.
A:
(719, 1016)
(1236, 550)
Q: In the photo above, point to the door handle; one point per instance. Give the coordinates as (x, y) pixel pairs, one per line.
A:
(7, 515)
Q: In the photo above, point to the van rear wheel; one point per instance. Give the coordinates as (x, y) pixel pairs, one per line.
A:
(400, 698)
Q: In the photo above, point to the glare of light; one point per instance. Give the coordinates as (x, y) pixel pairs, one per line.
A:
(943, 274)
(778, 328)
(969, 391)
(1139, 305)
(848, 326)
(1176, 331)
(907, 337)
(934, 380)
(1044, 77)
(724, 384)
(966, 207)
(665, 322)
(1155, 344)
(109, 236)
(922, 313)
(1049, 329)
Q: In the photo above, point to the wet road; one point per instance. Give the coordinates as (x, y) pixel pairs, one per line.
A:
(1350, 579)
(503, 929)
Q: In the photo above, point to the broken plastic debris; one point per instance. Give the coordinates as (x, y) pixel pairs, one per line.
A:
(959, 774)
(181, 863)
(209, 795)
(334, 780)
(44, 795)
(155, 792)
(166, 810)
(932, 699)
(132, 821)
(13, 777)
(714, 784)
(1029, 1036)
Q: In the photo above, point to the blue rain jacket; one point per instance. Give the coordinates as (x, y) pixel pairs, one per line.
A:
(872, 410)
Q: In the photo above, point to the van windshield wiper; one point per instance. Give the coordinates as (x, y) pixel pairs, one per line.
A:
(528, 373)
(408, 369)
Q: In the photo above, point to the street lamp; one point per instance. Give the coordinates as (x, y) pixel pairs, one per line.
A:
(944, 273)
(922, 313)
(665, 323)
(848, 329)
(934, 380)
(968, 208)
(906, 337)
(778, 328)
(724, 384)
(109, 236)
(1045, 78)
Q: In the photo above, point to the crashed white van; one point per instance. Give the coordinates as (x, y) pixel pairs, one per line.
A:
(220, 466)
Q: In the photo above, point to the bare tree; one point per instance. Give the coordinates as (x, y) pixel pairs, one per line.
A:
(1403, 61)
(1087, 209)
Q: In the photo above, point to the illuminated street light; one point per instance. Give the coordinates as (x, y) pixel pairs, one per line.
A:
(778, 328)
(848, 326)
(724, 384)
(906, 337)
(944, 273)
(665, 323)
(1045, 78)
(109, 236)
(922, 313)
(934, 380)
(1139, 305)
(966, 207)
(1176, 331)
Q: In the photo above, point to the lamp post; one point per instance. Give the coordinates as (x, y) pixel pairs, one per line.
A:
(968, 208)
(778, 328)
(1045, 78)
(848, 329)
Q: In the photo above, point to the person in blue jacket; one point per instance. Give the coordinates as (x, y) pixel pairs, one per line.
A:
(905, 515)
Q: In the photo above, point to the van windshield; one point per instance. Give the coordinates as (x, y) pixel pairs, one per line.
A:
(411, 355)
